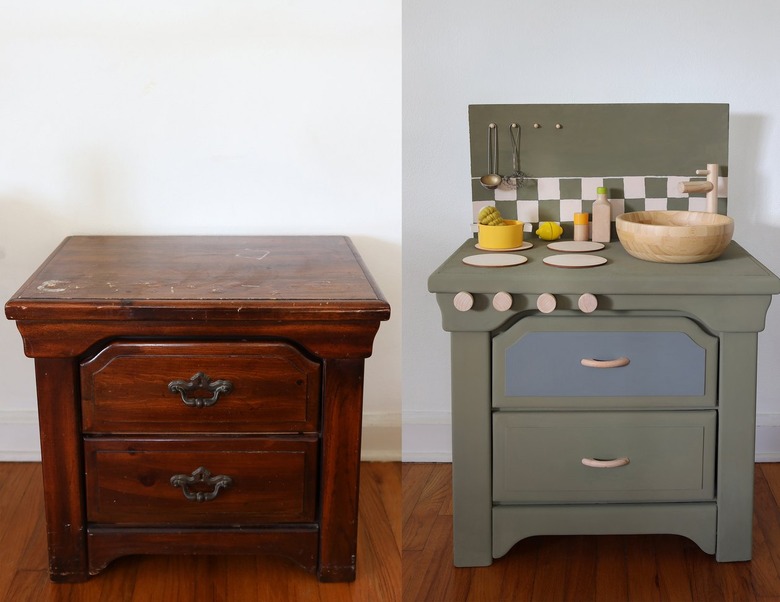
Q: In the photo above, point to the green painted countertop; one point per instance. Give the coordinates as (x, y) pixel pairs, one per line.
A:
(736, 272)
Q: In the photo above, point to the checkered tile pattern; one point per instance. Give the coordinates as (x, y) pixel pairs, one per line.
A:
(558, 199)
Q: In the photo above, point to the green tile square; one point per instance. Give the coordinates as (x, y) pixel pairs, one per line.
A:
(549, 211)
(507, 209)
(655, 188)
(634, 205)
(615, 188)
(571, 188)
(677, 204)
(479, 192)
(529, 191)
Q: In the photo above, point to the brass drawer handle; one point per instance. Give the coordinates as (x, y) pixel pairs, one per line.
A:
(616, 363)
(201, 475)
(200, 381)
(595, 463)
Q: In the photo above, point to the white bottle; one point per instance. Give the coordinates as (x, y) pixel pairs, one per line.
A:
(602, 216)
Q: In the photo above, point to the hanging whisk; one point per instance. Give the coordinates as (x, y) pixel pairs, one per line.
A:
(517, 177)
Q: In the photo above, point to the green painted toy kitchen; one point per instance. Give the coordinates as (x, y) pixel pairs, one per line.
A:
(603, 355)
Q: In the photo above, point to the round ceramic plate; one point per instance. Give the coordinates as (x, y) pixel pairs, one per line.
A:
(575, 246)
(523, 247)
(494, 260)
(574, 261)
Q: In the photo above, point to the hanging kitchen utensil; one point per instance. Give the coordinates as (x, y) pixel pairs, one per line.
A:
(492, 180)
(518, 177)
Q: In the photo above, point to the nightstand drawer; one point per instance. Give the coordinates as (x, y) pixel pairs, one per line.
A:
(200, 482)
(604, 361)
(603, 456)
(133, 387)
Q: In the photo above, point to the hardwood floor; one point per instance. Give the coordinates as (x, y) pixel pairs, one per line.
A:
(539, 569)
(23, 561)
(582, 568)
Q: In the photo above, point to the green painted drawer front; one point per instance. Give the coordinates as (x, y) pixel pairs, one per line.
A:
(668, 362)
(537, 456)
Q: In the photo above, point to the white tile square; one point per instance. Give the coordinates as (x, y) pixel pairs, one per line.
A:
(569, 207)
(655, 204)
(589, 186)
(549, 189)
(504, 192)
(528, 212)
(477, 206)
(673, 187)
(617, 207)
(697, 203)
(634, 187)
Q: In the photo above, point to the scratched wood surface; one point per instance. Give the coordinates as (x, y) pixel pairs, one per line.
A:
(24, 576)
(197, 267)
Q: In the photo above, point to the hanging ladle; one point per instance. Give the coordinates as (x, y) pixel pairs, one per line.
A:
(492, 180)
(518, 177)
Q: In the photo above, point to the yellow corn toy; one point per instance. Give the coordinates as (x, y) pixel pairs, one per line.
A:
(549, 231)
(490, 216)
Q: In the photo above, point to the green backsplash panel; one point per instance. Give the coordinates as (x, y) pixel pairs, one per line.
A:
(640, 152)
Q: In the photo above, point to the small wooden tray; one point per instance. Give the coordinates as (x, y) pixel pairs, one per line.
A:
(575, 261)
(494, 260)
(575, 246)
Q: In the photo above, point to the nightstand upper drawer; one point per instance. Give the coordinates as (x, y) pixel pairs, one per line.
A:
(604, 362)
(133, 387)
(201, 482)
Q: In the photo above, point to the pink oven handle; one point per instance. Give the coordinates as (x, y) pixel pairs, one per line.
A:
(616, 363)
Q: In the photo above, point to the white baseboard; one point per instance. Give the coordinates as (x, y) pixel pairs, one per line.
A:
(381, 439)
(19, 440)
(768, 438)
(427, 437)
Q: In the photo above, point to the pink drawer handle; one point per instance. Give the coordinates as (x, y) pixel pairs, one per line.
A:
(616, 463)
(616, 363)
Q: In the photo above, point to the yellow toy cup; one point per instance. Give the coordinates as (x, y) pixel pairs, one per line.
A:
(508, 236)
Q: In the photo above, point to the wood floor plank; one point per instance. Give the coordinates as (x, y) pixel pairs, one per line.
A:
(434, 493)
(611, 578)
(765, 566)
(24, 564)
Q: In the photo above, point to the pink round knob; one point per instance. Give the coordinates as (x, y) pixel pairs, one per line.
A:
(588, 303)
(546, 303)
(463, 301)
(502, 301)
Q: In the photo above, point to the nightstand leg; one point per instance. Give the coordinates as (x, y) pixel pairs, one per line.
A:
(736, 445)
(341, 428)
(472, 473)
(63, 476)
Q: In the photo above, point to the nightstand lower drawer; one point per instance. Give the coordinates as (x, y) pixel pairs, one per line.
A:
(603, 456)
(200, 482)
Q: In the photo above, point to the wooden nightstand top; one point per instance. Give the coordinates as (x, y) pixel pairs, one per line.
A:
(229, 277)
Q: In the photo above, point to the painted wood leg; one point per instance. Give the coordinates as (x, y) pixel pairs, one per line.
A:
(63, 474)
(736, 445)
(472, 490)
(342, 419)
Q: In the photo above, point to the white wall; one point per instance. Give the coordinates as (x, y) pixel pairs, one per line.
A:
(205, 117)
(459, 52)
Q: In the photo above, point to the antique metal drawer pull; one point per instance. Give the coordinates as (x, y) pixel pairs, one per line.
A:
(616, 363)
(595, 463)
(201, 475)
(200, 381)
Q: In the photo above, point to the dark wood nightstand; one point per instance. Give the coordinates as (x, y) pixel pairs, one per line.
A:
(200, 395)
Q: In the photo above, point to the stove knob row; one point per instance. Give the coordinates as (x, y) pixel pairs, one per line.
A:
(546, 303)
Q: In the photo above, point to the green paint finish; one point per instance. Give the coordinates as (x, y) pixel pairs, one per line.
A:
(604, 139)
